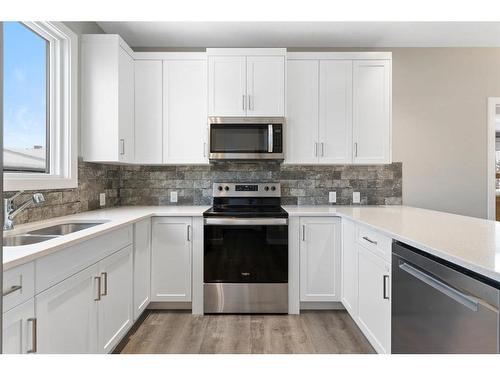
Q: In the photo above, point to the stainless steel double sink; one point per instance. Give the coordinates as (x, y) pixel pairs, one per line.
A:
(47, 233)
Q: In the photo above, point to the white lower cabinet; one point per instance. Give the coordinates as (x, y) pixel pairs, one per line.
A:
(115, 307)
(374, 304)
(171, 259)
(349, 268)
(18, 332)
(67, 315)
(320, 244)
(142, 266)
(88, 312)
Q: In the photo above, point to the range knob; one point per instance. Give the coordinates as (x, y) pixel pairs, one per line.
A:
(273, 188)
(226, 188)
(219, 188)
(266, 188)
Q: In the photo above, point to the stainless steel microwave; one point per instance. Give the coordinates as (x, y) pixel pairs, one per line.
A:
(250, 138)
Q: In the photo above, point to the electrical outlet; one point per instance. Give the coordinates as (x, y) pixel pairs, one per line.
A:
(332, 197)
(173, 197)
(102, 199)
(356, 197)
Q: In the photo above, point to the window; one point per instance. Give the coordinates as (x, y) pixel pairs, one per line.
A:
(40, 107)
(26, 120)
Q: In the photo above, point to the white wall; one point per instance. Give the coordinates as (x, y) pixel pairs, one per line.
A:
(439, 125)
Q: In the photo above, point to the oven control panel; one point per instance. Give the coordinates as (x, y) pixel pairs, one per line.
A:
(227, 189)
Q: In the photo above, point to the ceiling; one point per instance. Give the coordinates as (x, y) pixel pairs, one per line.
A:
(306, 34)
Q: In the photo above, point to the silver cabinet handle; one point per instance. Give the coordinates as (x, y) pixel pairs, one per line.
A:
(303, 232)
(33, 335)
(104, 276)
(12, 289)
(315, 148)
(189, 232)
(322, 149)
(122, 146)
(356, 149)
(385, 279)
(250, 103)
(468, 301)
(369, 240)
(204, 149)
(244, 101)
(98, 279)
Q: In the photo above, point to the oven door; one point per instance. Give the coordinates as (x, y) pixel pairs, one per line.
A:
(238, 140)
(246, 250)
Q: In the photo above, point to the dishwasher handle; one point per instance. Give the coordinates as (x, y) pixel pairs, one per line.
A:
(464, 299)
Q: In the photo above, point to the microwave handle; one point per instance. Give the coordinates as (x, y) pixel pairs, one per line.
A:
(270, 145)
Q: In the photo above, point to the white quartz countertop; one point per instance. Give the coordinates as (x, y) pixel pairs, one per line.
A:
(468, 242)
(113, 218)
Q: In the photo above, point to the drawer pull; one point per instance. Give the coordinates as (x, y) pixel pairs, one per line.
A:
(369, 240)
(12, 289)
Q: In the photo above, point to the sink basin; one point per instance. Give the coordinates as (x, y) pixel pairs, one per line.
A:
(23, 239)
(47, 233)
(62, 229)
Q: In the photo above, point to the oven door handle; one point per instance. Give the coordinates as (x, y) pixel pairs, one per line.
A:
(248, 221)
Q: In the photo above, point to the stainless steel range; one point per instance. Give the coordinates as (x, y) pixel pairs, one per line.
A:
(246, 250)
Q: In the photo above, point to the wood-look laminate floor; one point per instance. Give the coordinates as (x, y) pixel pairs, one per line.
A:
(310, 332)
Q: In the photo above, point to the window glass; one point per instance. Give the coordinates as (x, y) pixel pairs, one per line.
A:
(25, 99)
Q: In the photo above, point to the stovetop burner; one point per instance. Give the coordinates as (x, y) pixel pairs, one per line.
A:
(246, 200)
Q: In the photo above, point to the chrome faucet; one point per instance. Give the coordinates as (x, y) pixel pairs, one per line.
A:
(10, 211)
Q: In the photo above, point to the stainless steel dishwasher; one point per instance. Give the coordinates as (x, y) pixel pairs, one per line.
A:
(438, 307)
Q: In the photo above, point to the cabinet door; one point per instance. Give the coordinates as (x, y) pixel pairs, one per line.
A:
(266, 85)
(185, 112)
(115, 307)
(148, 112)
(142, 266)
(302, 112)
(67, 315)
(374, 309)
(171, 260)
(18, 327)
(126, 107)
(335, 111)
(372, 111)
(320, 259)
(227, 86)
(349, 268)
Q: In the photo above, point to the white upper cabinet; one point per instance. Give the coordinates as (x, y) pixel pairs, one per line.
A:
(185, 111)
(265, 85)
(148, 112)
(246, 82)
(338, 108)
(372, 111)
(301, 130)
(227, 85)
(335, 111)
(107, 99)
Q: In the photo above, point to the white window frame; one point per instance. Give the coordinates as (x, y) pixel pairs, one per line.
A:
(63, 113)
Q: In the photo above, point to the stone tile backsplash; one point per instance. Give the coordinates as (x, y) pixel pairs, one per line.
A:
(93, 179)
(151, 185)
(147, 185)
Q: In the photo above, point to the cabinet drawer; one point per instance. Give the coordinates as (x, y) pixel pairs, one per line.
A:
(58, 266)
(18, 285)
(374, 241)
